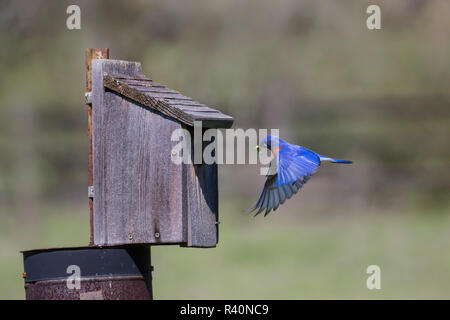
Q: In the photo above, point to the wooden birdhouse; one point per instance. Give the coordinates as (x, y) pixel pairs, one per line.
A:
(139, 194)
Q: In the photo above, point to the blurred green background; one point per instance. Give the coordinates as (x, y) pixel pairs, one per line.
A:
(310, 68)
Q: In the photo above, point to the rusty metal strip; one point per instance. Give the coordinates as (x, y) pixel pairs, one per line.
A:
(102, 288)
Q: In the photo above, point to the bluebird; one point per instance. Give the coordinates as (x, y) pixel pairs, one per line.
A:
(290, 169)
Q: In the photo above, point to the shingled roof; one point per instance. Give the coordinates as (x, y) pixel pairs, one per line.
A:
(167, 101)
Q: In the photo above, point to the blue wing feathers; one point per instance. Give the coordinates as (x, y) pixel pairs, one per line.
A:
(295, 162)
(295, 165)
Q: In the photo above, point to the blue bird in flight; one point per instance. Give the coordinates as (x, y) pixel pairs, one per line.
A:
(290, 169)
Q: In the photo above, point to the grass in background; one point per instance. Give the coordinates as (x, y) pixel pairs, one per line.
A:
(287, 255)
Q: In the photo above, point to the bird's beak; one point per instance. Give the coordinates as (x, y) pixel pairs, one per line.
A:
(258, 148)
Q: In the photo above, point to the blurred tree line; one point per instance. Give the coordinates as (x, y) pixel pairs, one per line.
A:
(310, 68)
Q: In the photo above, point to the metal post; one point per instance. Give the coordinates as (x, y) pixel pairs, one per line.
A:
(88, 273)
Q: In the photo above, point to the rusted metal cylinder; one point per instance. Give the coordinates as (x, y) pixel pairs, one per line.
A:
(88, 273)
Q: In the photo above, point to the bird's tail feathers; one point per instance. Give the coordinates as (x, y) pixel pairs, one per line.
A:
(323, 158)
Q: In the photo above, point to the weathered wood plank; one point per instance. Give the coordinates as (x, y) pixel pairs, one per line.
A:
(185, 102)
(215, 123)
(137, 188)
(139, 77)
(164, 95)
(211, 116)
(201, 194)
(149, 87)
(144, 200)
(99, 154)
(189, 108)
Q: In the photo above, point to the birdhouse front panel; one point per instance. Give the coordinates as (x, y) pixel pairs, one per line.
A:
(140, 195)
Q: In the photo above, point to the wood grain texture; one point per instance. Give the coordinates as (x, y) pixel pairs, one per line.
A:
(141, 196)
(99, 136)
(137, 187)
(200, 191)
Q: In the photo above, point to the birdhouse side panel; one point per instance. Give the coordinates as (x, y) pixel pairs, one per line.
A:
(201, 198)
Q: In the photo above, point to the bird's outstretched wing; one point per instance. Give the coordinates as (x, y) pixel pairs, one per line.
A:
(295, 162)
(273, 195)
(294, 169)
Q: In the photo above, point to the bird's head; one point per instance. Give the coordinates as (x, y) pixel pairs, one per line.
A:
(270, 142)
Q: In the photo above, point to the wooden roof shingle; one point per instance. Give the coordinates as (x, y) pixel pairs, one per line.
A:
(166, 101)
